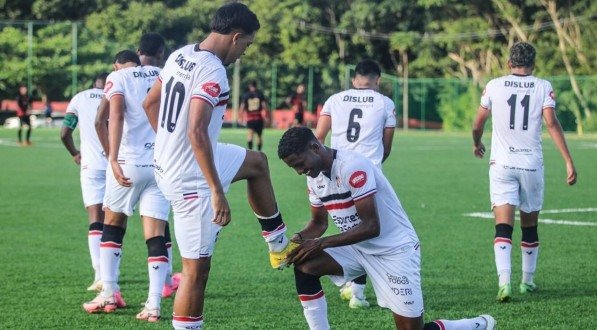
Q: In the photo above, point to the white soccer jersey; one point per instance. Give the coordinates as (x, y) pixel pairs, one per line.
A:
(84, 106)
(516, 104)
(189, 73)
(136, 147)
(352, 178)
(359, 117)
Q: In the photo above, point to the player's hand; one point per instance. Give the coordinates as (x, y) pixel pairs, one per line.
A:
(77, 158)
(307, 249)
(119, 175)
(571, 172)
(219, 204)
(479, 150)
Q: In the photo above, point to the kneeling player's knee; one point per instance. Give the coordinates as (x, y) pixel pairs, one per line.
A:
(307, 268)
(259, 162)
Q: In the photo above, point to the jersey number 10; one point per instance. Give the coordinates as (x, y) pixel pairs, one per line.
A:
(175, 93)
(525, 106)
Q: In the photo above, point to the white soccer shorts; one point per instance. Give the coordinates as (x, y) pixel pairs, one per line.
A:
(144, 192)
(516, 186)
(93, 186)
(396, 276)
(195, 233)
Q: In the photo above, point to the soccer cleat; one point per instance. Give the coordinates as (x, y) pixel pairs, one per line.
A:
(356, 303)
(96, 286)
(527, 287)
(346, 291)
(504, 293)
(149, 314)
(489, 320)
(106, 304)
(278, 259)
(169, 289)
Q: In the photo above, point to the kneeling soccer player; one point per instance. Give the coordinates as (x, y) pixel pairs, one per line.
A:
(376, 237)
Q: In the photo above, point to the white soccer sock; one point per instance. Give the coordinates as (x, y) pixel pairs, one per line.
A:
(276, 239)
(502, 248)
(358, 290)
(464, 324)
(157, 268)
(316, 313)
(187, 322)
(530, 253)
(93, 240)
(110, 254)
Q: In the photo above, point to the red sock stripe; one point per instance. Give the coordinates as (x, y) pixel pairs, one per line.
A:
(265, 233)
(110, 245)
(502, 240)
(95, 232)
(187, 318)
(440, 324)
(308, 297)
(529, 245)
(158, 259)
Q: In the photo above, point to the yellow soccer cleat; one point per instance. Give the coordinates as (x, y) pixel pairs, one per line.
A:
(278, 259)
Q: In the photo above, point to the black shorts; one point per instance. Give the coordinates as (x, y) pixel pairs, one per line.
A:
(25, 120)
(298, 117)
(256, 126)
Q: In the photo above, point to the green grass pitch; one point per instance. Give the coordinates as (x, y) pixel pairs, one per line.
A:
(45, 264)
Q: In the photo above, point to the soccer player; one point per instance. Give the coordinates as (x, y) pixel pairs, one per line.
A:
(298, 103)
(130, 182)
(362, 120)
(376, 237)
(81, 110)
(253, 103)
(23, 107)
(186, 106)
(151, 52)
(517, 102)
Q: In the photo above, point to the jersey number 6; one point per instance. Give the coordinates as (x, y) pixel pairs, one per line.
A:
(354, 128)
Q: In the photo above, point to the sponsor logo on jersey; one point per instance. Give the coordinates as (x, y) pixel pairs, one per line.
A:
(96, 95)
(521, 150)
(184, 64)
(211, 88)
(519, 84)
(552, 95)
(358, 99)
(358, 179)
(152, 73)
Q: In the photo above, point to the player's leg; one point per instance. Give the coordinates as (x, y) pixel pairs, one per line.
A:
(20, 130)
(250, 133)
(357, 290)
(29, 128)
(259, 132)
(196, 236)
(504, 188)
(96, 228)
(255, 170)
(532, 186)
(309, 290)
(172, 279)
(481, 322)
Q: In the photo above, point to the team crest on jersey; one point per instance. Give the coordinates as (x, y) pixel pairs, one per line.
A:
(211, 88)
(109, 85)
(552, 95)
(358, 179)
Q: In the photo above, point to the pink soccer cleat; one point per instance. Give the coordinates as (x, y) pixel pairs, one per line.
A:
(149, 314)
(107, 304)
(169, 289)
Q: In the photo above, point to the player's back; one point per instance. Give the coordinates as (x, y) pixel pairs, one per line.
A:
(516, 103)
(84, 105)
(189, 73)
(358, 118)
(138, 137)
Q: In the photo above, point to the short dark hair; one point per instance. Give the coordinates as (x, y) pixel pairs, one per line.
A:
(125, 56)
(522, 54)
(294, 141)
(368, 67)
(151, 44)
(234, 16)
(253, 84)
(101, 76)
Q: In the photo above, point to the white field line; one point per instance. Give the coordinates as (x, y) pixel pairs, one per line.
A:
(489, 215)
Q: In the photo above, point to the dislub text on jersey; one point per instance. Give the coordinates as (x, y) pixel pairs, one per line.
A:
(184, 64)
(519, 84)
(358, 99)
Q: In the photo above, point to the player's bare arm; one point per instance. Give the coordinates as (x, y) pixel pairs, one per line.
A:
(478, 127)
(557, 135)
(151, 104)
(387, 139)
(309, 236)
(66, 135)
(115, 127)
(101, 124)
(324, 124)
(199, 117)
